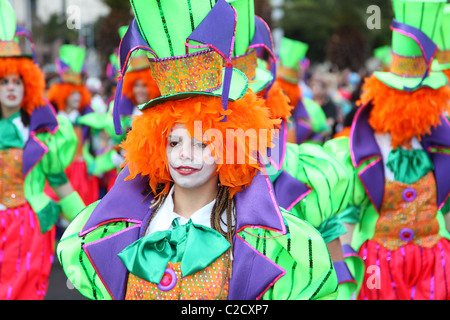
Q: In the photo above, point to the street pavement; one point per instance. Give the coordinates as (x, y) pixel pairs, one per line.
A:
(59, 288)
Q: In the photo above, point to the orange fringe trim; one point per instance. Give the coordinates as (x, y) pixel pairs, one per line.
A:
(402, 114)
(60, 92)
(32, 78)
(146, 77)
(292, 90)
(277, 102)
(145, 145)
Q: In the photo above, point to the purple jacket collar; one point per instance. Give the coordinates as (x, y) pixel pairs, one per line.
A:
(253, 274)
(363, 146)
(42, 119)
(288, 190)
(303, 129)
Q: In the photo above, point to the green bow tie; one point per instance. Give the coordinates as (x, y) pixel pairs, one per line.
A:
(409, 166)
(11, 136)
(194, 246)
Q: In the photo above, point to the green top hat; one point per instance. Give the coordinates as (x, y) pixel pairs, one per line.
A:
(8, 27)
(415, 27)
(291, 53)
(190, 42)
(70, 63)
(384, 54)
(244, 58)
(442, 61)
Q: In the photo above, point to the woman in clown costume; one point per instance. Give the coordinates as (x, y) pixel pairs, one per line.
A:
(308, 182)
(181, 222)
(72, 99)
(399, 152)
(35, 147)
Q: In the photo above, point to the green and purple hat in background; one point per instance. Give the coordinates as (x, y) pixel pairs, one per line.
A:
(70, 63)
(292, 52)
(415, 27)
(10, 33)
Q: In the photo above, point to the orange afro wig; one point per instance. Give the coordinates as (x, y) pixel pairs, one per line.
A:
(402, 114)
(60, 92)
(292, 90)
(32, 77)
(447, 73)
(277, 102)
(145, 76)
(145, 146)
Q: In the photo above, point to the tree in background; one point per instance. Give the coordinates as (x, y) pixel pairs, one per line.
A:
(337, 30)
(107, 28)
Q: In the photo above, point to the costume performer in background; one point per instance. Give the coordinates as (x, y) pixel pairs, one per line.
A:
(35, 146)
(399, 151)
(307, 181)
(309, 122)
(138, 88)
(184, 189)
(71, 99)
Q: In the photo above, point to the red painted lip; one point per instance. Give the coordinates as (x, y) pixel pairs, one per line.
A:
(12, 98)
(186, 173)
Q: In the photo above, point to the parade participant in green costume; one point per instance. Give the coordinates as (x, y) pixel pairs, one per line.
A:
(35, 146)
(212, 220)
(72, 99)
(399, 152)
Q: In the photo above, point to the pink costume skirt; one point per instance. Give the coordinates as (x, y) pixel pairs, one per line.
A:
(410, 272)
(87, 186)
(26, 255)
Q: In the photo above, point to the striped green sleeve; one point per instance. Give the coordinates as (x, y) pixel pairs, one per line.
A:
(328, 178)
(74, 260)
(303, 254)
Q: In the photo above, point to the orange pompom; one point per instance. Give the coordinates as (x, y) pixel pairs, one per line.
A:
(32, 77)
(292, 90)
(402, 114)
(145, 146)
(60, 92)
(277, 102)
(145, 76)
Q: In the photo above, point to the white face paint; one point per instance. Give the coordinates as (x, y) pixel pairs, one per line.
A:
(73, 102)
(12, 92)
(191, 163)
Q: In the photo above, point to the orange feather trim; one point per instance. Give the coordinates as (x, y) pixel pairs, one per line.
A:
(345, 132)
(32, 77)
(145, 145)
(60, 92)
(277, 102)
(447, 73)
(402, 114)
(292, 90)
(146, 77)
